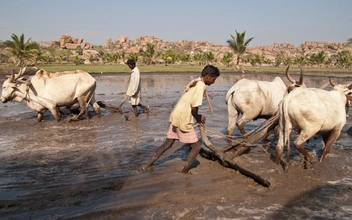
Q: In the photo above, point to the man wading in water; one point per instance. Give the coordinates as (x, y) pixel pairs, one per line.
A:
(134, 89)
(181, 118)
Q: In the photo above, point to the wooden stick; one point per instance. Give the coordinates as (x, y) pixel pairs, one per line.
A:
(208, 99)
(227, 160)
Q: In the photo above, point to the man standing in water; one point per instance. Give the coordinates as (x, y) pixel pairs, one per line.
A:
(134, 89)
(181, 118)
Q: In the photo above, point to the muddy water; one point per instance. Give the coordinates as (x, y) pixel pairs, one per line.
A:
(89, 169)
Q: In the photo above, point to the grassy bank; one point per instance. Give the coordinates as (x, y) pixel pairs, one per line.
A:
(120, 68)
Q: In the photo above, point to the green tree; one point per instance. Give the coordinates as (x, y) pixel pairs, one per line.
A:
(208, 56)
(343, 59)
(78, 60)
(166, 56)
(349, 41)
(60, 58)
(149, 53)
(79, 50)
(23, 51)
(4, 58)
(287, 60)
(133, 56)
(91, 59)
(170, 56)
(255, 59)
(185, 58)
(278, 60)
(199, 58)
(116, 56)
(238, 44)
(227, 58)
(52, 52)
(45, 58)
(299, 60)
(320, 58)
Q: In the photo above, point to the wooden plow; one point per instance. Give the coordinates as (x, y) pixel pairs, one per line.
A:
(235, 149)
(238, 147)
(109, 107)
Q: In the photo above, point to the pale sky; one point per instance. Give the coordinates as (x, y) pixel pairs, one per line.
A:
(268, 21)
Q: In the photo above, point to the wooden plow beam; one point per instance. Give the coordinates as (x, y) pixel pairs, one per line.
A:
(109, 107)
(241, 145)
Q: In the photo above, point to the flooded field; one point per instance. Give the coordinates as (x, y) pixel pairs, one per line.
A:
(89, 169)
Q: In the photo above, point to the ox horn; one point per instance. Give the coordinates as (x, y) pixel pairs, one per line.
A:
(325, 85)
(301, 77)
(333, 84)
(20, 73)
(288, 75)
(12, 77)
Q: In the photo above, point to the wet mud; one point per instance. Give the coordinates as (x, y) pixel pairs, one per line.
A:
(89, 169)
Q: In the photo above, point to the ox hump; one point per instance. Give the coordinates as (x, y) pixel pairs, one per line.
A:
(43, 73)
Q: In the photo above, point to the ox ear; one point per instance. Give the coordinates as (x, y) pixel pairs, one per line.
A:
(350, 86)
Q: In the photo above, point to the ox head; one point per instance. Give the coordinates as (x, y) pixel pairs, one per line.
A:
(347, 89)
(295, 83)
(11, 85)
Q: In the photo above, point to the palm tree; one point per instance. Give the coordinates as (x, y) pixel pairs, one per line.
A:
(23, 51)
(60, 58)
(287, 60)
(343, 59)
(227, 58)
(299, 60)
(198, 57)
(133, 56)
(78, 60)
(238, 44)
(208, 56)
(149, 53)
(349, 41)
(79, 50)
(278, 59)
(320, 58)
(185, 58)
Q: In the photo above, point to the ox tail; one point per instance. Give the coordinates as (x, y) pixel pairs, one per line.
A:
(284, 135)
(229, 95)
(287, 129)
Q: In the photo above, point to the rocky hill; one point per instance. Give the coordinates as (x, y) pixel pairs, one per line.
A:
(125, 44)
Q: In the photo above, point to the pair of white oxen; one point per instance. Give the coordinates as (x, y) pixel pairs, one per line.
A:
(50, 91)
(309, 111)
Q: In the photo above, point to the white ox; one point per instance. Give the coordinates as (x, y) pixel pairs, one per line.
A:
(312, 111)
(52, 90)
(255, 99)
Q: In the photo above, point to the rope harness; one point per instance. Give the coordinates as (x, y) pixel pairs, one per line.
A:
(231, 136)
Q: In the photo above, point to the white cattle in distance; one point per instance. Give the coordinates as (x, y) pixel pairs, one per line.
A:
(312, 111)
(255, 99)
(49, 91)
